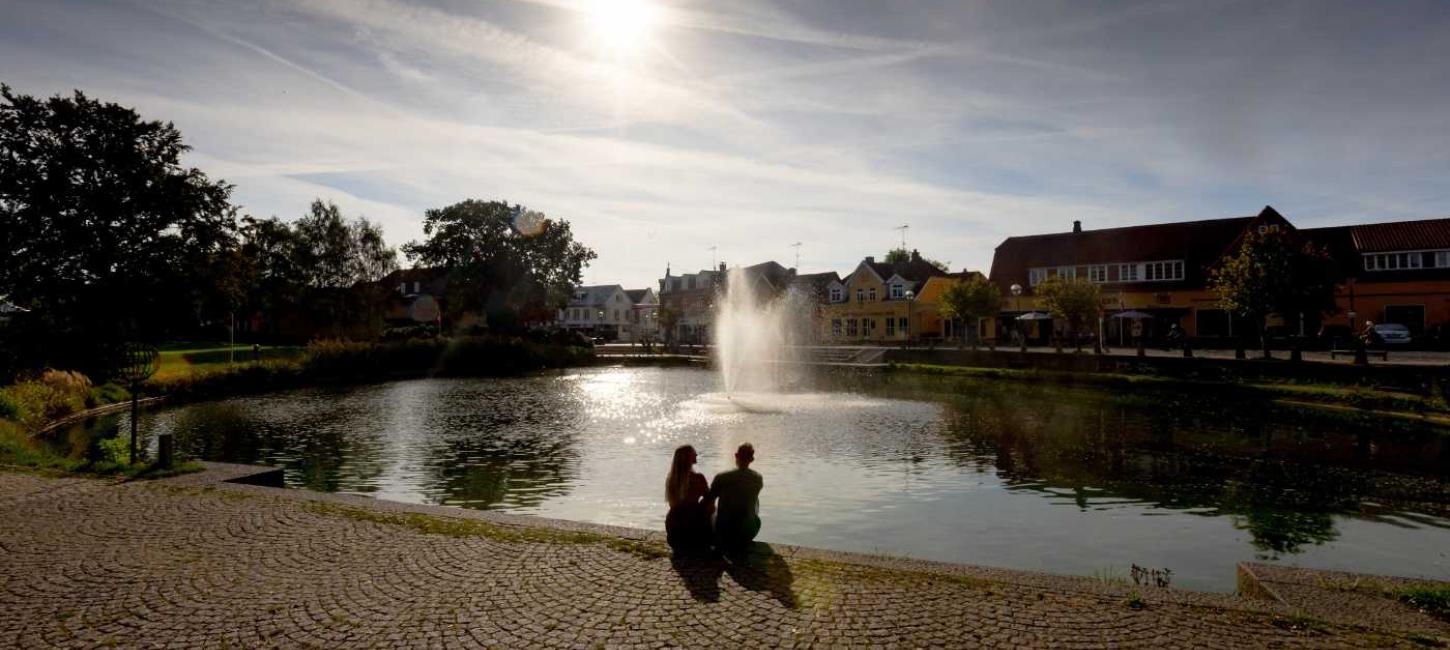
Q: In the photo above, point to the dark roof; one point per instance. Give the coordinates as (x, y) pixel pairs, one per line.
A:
(1197, 243)
(819, 279)
(636, 295)
(1425, 234)
(915, 269)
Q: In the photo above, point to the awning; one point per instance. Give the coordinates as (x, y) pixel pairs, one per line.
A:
(1034, 315)
(1133, 314)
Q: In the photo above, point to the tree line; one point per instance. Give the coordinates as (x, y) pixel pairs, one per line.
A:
(110, 238)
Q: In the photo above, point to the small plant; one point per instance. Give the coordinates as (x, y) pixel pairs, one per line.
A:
(1434, 601)
(1135, 600)
(1144, 576)
(1110, 576)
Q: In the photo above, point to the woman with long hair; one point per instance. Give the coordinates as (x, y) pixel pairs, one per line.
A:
(687, 526)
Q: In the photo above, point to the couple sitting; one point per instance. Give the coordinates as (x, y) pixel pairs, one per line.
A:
(692, 502)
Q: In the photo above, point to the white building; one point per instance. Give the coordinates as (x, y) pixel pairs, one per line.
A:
(603, 311)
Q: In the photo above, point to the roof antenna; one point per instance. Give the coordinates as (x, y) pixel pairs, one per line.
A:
(797, 247)
(712, 257)
(903, 228)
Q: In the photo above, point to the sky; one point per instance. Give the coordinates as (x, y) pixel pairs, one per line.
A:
(661, 129)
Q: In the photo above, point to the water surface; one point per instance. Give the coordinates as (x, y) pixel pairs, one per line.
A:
(1018, 475)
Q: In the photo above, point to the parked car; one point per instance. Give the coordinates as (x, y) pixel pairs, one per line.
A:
(1393, 333)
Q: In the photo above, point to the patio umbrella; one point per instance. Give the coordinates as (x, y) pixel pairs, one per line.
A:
(1034, 315)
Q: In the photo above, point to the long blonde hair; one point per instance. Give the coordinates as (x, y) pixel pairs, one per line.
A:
(677, 484)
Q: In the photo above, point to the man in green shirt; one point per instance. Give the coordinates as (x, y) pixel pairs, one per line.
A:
(737, 517)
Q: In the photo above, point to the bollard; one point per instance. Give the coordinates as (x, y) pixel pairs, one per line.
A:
(164, 450)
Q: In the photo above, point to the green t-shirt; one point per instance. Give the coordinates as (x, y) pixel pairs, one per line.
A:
(739, 494)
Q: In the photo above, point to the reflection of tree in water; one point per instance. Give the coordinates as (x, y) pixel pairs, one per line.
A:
(506, 444)
(1095, 449)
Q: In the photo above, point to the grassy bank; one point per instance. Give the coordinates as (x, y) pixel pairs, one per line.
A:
(1431, 406)
(190, 372)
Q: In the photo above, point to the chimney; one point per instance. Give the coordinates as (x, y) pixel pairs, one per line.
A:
(722, 267)
(870, 259)
(1077, 226)
(915, 255)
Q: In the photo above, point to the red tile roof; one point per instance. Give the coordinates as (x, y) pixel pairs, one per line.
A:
(1198, 243)
(1401, 236)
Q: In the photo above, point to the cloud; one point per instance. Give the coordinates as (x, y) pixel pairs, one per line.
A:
(751, 125)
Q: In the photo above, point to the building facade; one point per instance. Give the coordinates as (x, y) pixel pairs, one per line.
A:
(876, 302)
(643, 325)
(687, 304)
(1393, 272)
(602, 311)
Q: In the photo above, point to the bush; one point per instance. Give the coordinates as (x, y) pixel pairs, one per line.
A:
(54, 394)
(457, 356)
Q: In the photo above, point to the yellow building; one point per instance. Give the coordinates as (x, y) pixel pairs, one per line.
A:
(876, 302)
(927, 321)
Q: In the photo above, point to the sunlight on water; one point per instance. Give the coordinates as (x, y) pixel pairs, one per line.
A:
(1018, 475)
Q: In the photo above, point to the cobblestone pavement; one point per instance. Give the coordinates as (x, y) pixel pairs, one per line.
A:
(87, 563)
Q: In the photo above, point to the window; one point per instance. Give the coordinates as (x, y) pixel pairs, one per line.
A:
(871, 293)
(1401, 261)
(837, 294)
(1067, 272)
(1098, 273)
(902, 325)
(859, 294)
(1128, 272)
(690, 282)
(891, 327)
(836, 327)
(867, 325)
(896, 291)
(1442, 259)
(1036, 276)
(850, 327)
(1160, 271)
(1268, 228)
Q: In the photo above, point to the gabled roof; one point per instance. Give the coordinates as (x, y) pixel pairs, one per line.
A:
(594, 295)
(637, 296)
(1197, 243)
(915, 269)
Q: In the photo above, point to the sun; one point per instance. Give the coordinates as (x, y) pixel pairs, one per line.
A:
(621, 27)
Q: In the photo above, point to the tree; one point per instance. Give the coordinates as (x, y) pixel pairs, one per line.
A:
(333, 253)
(501, 259)
(669, 317)
(1276, 273)
(107, 236)
(1075, 301)
(971, 301)
(902, 256)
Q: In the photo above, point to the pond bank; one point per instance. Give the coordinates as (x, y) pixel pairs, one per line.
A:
(478, 578)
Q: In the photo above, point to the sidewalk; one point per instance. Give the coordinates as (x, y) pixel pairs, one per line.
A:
(189, 562)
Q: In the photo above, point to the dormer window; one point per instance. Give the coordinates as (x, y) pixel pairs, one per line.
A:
(897, 291)
(837, 295)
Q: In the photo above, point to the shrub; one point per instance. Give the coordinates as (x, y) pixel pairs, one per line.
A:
(53, 395)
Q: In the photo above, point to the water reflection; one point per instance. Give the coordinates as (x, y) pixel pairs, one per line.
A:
(1022, 475)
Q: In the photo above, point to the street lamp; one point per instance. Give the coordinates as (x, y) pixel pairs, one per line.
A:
(1017, 305)
(910, 302)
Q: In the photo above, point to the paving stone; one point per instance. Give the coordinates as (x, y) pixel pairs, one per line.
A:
(87, 562)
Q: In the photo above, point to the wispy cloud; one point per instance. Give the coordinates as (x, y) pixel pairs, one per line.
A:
(749, 125)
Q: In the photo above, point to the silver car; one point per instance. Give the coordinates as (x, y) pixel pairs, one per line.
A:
(1393, 333)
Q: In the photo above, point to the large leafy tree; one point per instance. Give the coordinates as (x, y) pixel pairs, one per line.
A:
(502, 259)
(902, 256)
(1075, 301)
(970, 301)
(1274, 272)
(107, 235)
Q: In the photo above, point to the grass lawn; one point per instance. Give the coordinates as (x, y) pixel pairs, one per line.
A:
(180, 359)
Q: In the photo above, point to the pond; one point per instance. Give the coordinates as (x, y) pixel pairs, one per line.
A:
(1027, 476)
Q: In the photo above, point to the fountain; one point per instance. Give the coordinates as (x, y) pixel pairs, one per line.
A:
(756, 342)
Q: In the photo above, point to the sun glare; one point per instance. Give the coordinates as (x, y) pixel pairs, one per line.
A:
(621, 26)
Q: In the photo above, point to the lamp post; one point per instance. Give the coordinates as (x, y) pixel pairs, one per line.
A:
(1016, 290)
(910, 303)
(138, 363)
